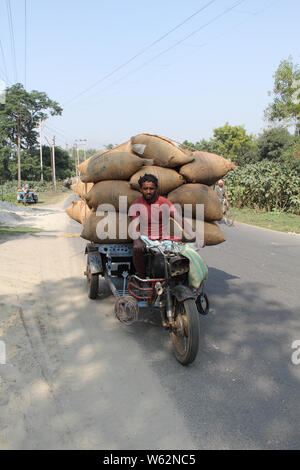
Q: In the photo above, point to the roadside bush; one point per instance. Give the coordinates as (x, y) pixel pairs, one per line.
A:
(266, 185)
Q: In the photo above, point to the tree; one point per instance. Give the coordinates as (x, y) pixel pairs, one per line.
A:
(234, 142)
(20, 113)
(64, 164)
(286, 103)
(5, 164)
(274, 143)
(110, 146)
(203, 145)
(231, 142)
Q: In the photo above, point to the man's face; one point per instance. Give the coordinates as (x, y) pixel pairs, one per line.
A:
(149, 191)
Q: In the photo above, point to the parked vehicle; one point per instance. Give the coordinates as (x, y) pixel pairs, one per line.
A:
(165, 288)
(27, 197)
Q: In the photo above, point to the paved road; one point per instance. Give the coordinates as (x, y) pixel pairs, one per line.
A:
(86, 381)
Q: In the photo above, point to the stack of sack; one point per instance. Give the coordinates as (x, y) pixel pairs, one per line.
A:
(184, 177)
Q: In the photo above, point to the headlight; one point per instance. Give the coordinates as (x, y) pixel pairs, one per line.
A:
(178, 265)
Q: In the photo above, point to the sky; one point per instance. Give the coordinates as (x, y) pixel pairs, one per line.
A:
(169, 67)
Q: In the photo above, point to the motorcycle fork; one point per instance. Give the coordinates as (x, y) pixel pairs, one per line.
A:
(169, 303)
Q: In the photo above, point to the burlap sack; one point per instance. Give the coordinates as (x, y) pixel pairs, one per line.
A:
(83, 165)
(163, 152)
(79, 188)
(90, 230)
(108, 192)
(207, 168)
(126, 147)
(198, 194)
(115, 165)
(78, 211)
(213, 235)
(168, 180)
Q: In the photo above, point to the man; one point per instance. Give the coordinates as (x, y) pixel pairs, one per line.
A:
(153, 211)
(221, 190)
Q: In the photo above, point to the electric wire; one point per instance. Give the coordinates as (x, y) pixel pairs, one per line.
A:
(220, 15)
(12, 39)
(25, 44)
(140, 52)
(4, 71)
(54, 129)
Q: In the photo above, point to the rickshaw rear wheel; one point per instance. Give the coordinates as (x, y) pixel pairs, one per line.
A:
(93, 286)
(185, 334)
(92, 282)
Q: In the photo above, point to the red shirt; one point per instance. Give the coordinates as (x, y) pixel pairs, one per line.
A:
(154, 218)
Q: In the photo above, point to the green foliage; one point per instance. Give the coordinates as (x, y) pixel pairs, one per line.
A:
(233, 142)
(64, 164)
(286, 103)
(5, 160)
(30, 165)
(274, 143)
(266, 185)
(203, 146)
(229, 141)
(21, 112)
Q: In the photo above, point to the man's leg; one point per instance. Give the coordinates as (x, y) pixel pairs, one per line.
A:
(139, 257)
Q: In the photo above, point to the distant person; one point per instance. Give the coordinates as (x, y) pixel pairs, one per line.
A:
(221, 191)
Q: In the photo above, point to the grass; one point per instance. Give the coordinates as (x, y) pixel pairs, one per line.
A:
(50, 197)
(12, 231)
(280, 221)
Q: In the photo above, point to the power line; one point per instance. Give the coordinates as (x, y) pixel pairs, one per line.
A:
(141, 52)
(220, 15)
(25, 44)
(12, 38)
(57, 130)
(253, 14)
(4, 63)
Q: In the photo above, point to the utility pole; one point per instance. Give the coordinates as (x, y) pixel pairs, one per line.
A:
(74, 156)
(41, 150)
(84, 144)
(77, 157)
(53, 160)
(19, 152)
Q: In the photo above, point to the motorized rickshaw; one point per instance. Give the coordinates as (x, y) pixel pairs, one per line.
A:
(165, 287)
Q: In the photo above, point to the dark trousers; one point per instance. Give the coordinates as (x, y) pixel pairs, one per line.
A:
(139, 257)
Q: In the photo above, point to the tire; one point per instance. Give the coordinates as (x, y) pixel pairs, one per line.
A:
(186, 342)
(202, 304)
(229, 217)
(93, 283)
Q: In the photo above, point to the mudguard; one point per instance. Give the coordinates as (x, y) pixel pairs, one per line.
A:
(183, 293)
(94, 259)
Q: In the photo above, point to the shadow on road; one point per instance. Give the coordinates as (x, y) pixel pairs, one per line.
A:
(241, 392)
